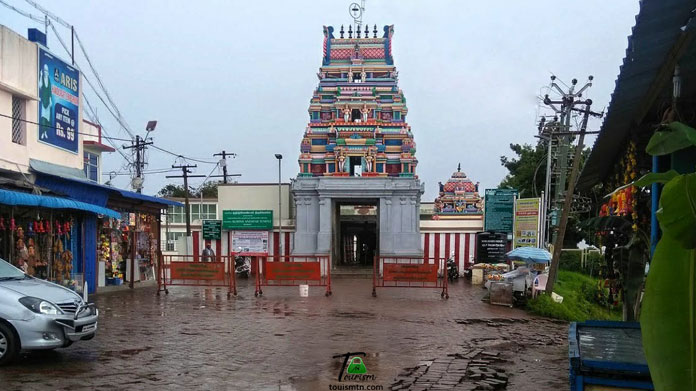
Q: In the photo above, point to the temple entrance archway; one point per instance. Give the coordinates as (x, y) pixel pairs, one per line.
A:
(355, 233)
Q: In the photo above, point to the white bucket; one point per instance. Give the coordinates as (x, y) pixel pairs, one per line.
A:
(304, 290)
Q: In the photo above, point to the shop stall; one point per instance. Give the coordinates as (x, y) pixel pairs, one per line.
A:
(120, 238)
(45, 235)
(529, 262)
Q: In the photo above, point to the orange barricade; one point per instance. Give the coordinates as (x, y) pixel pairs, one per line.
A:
(294, 270)
(182, 270)
(408, 272)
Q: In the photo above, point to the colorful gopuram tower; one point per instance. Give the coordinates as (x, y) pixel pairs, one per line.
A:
(357, 115)
(458, 198)
(357, 153)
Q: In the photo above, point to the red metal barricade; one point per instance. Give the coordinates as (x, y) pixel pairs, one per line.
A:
(181, 270)
(409, 272)
(294, 270)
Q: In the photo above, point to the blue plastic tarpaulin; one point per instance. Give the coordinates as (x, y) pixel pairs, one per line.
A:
(9, 197)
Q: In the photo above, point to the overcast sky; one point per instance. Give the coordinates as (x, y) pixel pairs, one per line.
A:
(239, 75)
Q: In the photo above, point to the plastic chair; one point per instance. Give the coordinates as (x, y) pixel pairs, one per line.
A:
(539, 284)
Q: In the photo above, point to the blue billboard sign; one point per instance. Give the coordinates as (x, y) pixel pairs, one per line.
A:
(59, 102)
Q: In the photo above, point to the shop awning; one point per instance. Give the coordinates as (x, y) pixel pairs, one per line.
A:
(73, 183)
(16, 198)
(142, 197)
(662, 28)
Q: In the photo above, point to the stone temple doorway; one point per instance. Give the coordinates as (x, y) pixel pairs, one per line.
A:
(356, 233)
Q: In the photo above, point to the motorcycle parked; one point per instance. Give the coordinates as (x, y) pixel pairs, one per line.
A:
(452, 270)
(242, 266)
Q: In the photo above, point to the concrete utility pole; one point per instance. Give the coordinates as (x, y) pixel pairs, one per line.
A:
(223, 163)
(280, 205)
(559, 134)
(185, 174)
(567, 102)
(139, 146)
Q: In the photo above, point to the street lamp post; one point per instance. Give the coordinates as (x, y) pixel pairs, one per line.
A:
(280, 210)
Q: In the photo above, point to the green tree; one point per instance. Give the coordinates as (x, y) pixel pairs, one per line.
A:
(173, 191)
(209, 190)
(527, 174)
(526, 170)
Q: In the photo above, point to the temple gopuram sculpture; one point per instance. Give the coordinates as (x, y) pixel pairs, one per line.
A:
(458, 197)
(357, 114)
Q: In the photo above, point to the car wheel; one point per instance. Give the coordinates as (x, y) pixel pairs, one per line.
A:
(9, 346)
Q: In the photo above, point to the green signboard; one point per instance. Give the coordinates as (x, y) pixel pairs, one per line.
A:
(499, 210)
(212, 229)
(261, 220)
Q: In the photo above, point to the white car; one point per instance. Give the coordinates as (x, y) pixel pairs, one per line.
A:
(37, 314)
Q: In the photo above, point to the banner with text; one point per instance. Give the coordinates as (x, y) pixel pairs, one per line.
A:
(208, 271)
(499, 210)
(255, 242)
(293, 271)
(211, 229)
(402, 272)
(59, 102)
(247, 220)
(491, 247)
(527, 222)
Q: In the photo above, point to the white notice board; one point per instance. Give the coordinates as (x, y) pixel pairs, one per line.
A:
(250, 242)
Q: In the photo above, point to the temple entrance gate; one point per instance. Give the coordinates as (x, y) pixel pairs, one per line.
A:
(389, 226)
(356, 233)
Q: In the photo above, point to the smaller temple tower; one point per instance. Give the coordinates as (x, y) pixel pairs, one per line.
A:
(458, 197)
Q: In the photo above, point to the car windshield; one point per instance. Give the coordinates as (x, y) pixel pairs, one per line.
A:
(9, 272)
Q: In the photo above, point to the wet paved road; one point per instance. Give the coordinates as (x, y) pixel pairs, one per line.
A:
(195, 338)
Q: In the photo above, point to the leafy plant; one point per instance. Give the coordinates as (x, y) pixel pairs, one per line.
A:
(668, 319)
(629, 259)
(670, 138)
(584, 298)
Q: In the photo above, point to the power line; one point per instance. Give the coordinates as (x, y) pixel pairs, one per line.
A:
(101, 84)
(54, 127)
(23, 13)
(153, 171)
(182, 156)
(224, 155)
(139, 147)
(185, 174)
(118, 118)
(48, 13)
(110, 106)
(65, 24)
(93, 116)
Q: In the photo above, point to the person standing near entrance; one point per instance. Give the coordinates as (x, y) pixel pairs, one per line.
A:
(208, 254)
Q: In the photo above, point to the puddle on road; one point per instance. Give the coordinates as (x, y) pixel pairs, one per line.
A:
(125, 352)
(352, 314)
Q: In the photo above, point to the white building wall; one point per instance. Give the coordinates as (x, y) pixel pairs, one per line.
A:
(256, 196)
(19, 76)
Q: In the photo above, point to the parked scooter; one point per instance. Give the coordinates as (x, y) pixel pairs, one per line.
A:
(452, 270)
(242, 266)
